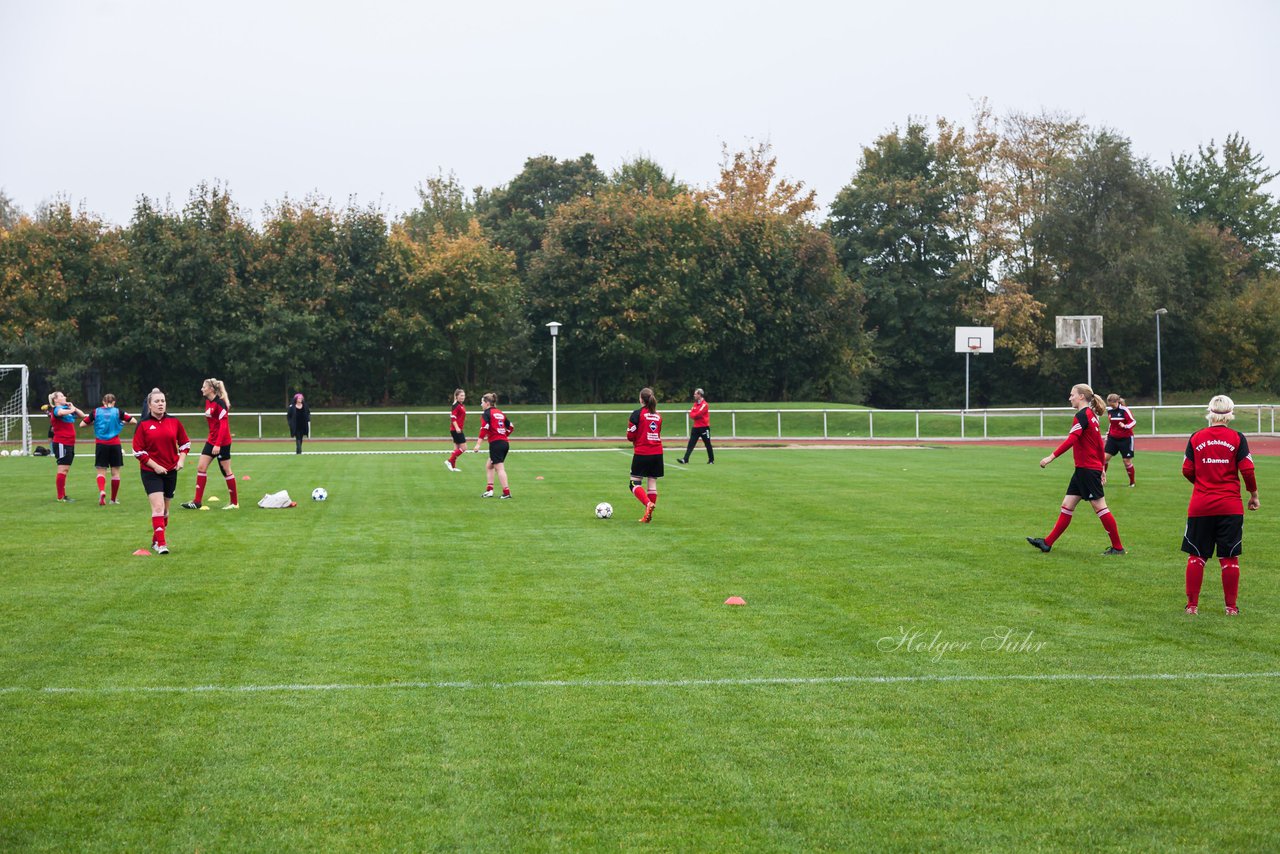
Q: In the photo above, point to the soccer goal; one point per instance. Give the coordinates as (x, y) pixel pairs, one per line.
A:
(15, 427)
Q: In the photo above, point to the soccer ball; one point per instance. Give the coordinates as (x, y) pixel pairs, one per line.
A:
(17, 453)
(604, 510)
(319, 494)
(4, 452)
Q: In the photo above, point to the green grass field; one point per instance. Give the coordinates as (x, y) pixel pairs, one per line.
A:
(407, 666)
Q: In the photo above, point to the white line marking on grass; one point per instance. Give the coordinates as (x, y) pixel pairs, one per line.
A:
(763, 681)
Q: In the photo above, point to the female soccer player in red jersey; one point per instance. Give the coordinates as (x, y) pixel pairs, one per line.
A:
(497, 428)
(62, 423)
(1216, 458)
(217, 411)
(160, 445)
(1085, 442)
(1120, 434)
(644, 432)
(700, 416)
(457, 421)
(108, 420)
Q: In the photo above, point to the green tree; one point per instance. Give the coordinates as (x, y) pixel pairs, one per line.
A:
(516, 214)
(890, 227)
(1226, 188)
(444, 203)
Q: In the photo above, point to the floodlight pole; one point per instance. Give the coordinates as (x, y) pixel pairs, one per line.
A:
(1159, 372)
(555, 332)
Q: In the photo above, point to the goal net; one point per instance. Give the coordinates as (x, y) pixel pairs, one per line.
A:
(15, 426)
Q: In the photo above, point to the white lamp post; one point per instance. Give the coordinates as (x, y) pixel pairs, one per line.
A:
(1159, 372)
(555, 331)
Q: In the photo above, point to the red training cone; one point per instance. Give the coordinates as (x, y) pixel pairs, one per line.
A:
(735, 600)
(142, 553)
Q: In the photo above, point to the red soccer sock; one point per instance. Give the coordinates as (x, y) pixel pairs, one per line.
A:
(653, 498)
(488, 487)
(200, 482)
(641, 495)
(61, 481)
(102, 483)
(1113, 531)
(1064, 519)
(157, 528)
(231, 488)
(115, 487)
(1128, 467)
(453, 457)
(1195, 576)
(1230, 579)
(506, 490)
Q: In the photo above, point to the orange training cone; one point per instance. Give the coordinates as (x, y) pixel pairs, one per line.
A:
(735, 600)
(142, 553)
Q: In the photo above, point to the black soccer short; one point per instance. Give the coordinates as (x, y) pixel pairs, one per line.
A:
(459, 438)
(498, 450)
(1122, 447)
(63, 455)
(1087, 483)
(224, 455)
(166, 483)
(107, 456)
(1205, 532)
(646, 465)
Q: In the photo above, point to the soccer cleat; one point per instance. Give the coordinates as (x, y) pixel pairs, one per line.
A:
(1191, 611)
(1039, 543)
(506, 496)
(232, 507)
(114, 501)
(488, 493)
(648, 512)
(102, 499)
(1233, 611)
(190, 505)
(160, 548)
(1112, 550)
(67, 500)
(682, 462)
(450, 466)
(711, 462)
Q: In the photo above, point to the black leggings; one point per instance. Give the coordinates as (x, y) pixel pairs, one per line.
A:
(703, 433)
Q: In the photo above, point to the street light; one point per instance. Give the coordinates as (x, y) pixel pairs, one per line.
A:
(555, 331)
(1159, 373)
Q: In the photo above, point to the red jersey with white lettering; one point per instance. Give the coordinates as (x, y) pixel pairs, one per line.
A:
(160, 440)
(457, 418)
(219, 418)
(1122, 422)
(644, 430)
(700, 414)
(63, 419)
(1217, 457)
(495, 425)
(1084, 440)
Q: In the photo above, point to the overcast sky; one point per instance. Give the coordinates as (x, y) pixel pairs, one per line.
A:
(105, 101)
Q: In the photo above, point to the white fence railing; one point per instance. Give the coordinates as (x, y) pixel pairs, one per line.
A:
(789, 424)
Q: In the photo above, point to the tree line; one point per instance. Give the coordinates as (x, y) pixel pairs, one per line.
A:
(740, 287)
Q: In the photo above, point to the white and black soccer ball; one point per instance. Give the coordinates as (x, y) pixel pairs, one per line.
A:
(319, 494)
(604, 510)
(4, 452)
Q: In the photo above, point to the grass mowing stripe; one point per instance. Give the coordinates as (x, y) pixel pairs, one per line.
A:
(764, 681)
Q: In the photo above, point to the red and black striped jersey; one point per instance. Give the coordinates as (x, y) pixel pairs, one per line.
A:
(644, 430)
(160, 440)
(457, 418)
(1084, 440)
(495, 426)
(1122, 422)
(1216, 458)
(219, 418)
